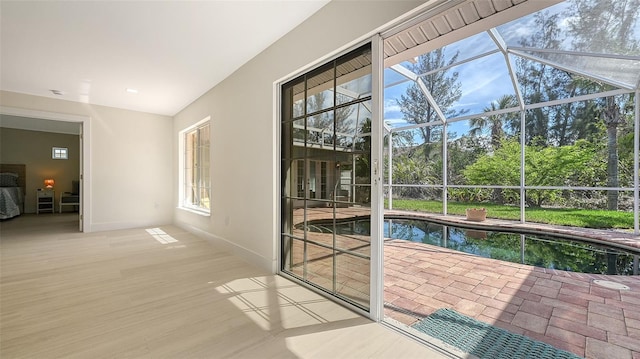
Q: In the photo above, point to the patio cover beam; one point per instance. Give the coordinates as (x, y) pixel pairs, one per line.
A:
(502, 45)
(411, 75)
(576, 53)
(572, 69)
(636, 167)
(472, 26)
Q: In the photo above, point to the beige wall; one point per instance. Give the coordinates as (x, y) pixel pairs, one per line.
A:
(244, 145)
(33, 148)
(134, 156)
(131, 174)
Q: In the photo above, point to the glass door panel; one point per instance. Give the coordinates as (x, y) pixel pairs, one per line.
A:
(326, 178)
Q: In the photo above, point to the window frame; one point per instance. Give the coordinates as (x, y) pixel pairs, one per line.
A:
(59, 153)
(201, 181)
(296, 171)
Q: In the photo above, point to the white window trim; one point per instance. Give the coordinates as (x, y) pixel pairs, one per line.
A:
(60, 153)
(181, 160)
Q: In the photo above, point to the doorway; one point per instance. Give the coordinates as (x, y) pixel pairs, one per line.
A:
(49, 122)
(326, 177)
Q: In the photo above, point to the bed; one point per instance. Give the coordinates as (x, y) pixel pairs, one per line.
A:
(12, 190)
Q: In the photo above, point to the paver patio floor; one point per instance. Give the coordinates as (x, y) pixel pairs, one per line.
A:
(565, 309)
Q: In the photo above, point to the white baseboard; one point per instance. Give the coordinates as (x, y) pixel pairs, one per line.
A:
(114, 226)
(242, 252)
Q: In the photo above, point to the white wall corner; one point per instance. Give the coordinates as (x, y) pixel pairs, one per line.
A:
(249, 256)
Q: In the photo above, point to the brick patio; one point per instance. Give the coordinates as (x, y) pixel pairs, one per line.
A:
(565, 309)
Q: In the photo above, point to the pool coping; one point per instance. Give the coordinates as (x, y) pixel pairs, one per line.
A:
(616, 238)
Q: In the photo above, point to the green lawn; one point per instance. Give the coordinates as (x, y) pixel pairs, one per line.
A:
(586, 218)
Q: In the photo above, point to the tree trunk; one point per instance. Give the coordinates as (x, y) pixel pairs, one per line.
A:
(612, 259)
(612, 120)
(498, 198)
(612, 166)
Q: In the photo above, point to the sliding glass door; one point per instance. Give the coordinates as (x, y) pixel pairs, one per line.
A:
(326, 177)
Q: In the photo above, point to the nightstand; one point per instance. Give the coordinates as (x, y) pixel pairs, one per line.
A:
(44, 198)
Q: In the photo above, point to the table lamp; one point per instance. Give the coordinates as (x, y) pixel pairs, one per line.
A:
(48, 183)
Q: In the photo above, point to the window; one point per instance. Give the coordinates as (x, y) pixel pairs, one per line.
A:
(195, 169)
(60, 153)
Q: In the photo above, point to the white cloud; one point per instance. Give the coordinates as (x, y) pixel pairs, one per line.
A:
(391, 105)
(465, 105)
(563, 24)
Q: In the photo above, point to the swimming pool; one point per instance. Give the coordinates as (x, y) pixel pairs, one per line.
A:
(538, 250)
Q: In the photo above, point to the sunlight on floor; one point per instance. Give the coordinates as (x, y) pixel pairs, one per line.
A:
(275, 303)
(161, 236)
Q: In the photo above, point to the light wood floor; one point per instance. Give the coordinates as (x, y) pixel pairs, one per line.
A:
(165, 294)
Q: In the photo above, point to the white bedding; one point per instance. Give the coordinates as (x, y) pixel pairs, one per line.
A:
(10, 202)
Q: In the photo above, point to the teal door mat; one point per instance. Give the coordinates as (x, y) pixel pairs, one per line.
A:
(483, 340)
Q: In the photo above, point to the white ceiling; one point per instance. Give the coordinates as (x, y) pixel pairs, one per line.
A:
(172, 52)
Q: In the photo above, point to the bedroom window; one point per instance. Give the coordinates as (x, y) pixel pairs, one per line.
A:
(60, 153)
(196, 175)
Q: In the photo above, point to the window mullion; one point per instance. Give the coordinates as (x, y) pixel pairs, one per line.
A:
(195, 181)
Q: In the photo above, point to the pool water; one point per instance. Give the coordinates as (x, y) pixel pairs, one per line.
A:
(536, 250)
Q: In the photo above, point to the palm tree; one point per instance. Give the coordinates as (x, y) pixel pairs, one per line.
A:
(494, 123)
(612, 118)
(593, 24)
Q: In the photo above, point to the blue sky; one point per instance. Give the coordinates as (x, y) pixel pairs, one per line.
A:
(482, 80)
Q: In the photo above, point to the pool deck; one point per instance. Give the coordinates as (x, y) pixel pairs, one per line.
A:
(623, 239)
(567, 310)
